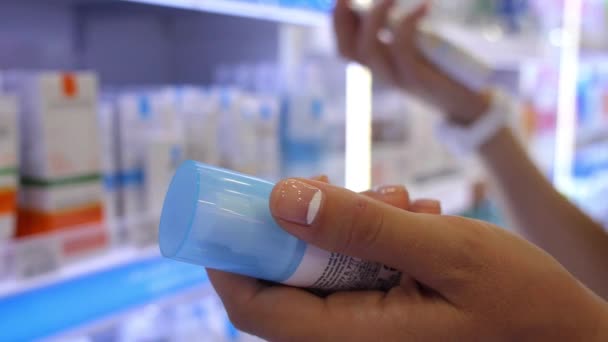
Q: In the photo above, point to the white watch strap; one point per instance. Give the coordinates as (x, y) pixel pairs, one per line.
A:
(465, 140)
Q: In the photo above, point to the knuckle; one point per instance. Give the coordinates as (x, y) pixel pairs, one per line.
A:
(405, 28)
(378, 12)
(365, 226)
(240, 320)
(471, 245)
(346, 52)
(364, 54)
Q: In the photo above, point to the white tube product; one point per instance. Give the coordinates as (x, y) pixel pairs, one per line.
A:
(221, 219)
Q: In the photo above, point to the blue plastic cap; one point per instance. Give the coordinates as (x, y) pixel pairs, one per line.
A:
(220, 219)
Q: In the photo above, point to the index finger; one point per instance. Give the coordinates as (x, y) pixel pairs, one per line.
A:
(436, 250)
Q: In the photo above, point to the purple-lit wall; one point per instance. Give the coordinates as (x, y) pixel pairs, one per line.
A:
(36, 35)
(127, 43)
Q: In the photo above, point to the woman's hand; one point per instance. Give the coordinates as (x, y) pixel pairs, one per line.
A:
(470, 280)
(540, 213)
(400, 62)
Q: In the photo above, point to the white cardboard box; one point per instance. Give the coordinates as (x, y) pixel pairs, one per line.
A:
(59, 127)
(9, 132)
(9, 148)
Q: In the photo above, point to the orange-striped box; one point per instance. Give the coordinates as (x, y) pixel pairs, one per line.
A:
(46, 206)
(33, 222)
(60, 184)
(9, 147)
(8, 206)
(8, 202)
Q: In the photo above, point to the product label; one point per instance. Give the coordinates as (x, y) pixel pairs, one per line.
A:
(329, 271)
(9, 135)
(69, 126)
(7, 227)
(67, 194)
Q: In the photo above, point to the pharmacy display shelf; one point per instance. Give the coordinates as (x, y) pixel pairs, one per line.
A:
(18, 283)
(91, 291)
(86, 273)
(43, 260)
(308, 12)
(101, 326)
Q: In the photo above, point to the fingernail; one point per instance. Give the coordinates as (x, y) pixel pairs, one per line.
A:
(426, 206)
(297, 202)
(321, 178)
(390, 189)
(426, 3)
(386, 3)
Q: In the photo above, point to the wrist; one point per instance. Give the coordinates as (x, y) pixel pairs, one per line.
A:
(495, 145)
(502, 151)
(465, 136)
(471, 108)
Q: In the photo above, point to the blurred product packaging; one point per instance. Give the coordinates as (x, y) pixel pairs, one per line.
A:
(9, 142)
(60, 154)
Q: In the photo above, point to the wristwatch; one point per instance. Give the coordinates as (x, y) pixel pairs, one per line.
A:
(465, 140)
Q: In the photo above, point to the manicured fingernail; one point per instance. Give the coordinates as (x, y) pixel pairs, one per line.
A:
(297, 202)
(321, 178)
(390, 189)
(426, 206)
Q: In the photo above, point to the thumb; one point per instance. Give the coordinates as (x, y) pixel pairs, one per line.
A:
(436, 250)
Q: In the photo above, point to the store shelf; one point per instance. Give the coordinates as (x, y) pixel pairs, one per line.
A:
(113, 258)
(297, 13)
(91, 272)
(92, 290)
(112, 328)
(40, 261)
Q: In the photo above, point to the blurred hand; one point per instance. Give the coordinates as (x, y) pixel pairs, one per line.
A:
(470, 280)
(400, 62)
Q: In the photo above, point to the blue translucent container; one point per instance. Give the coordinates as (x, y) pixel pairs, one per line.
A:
(221, 219)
